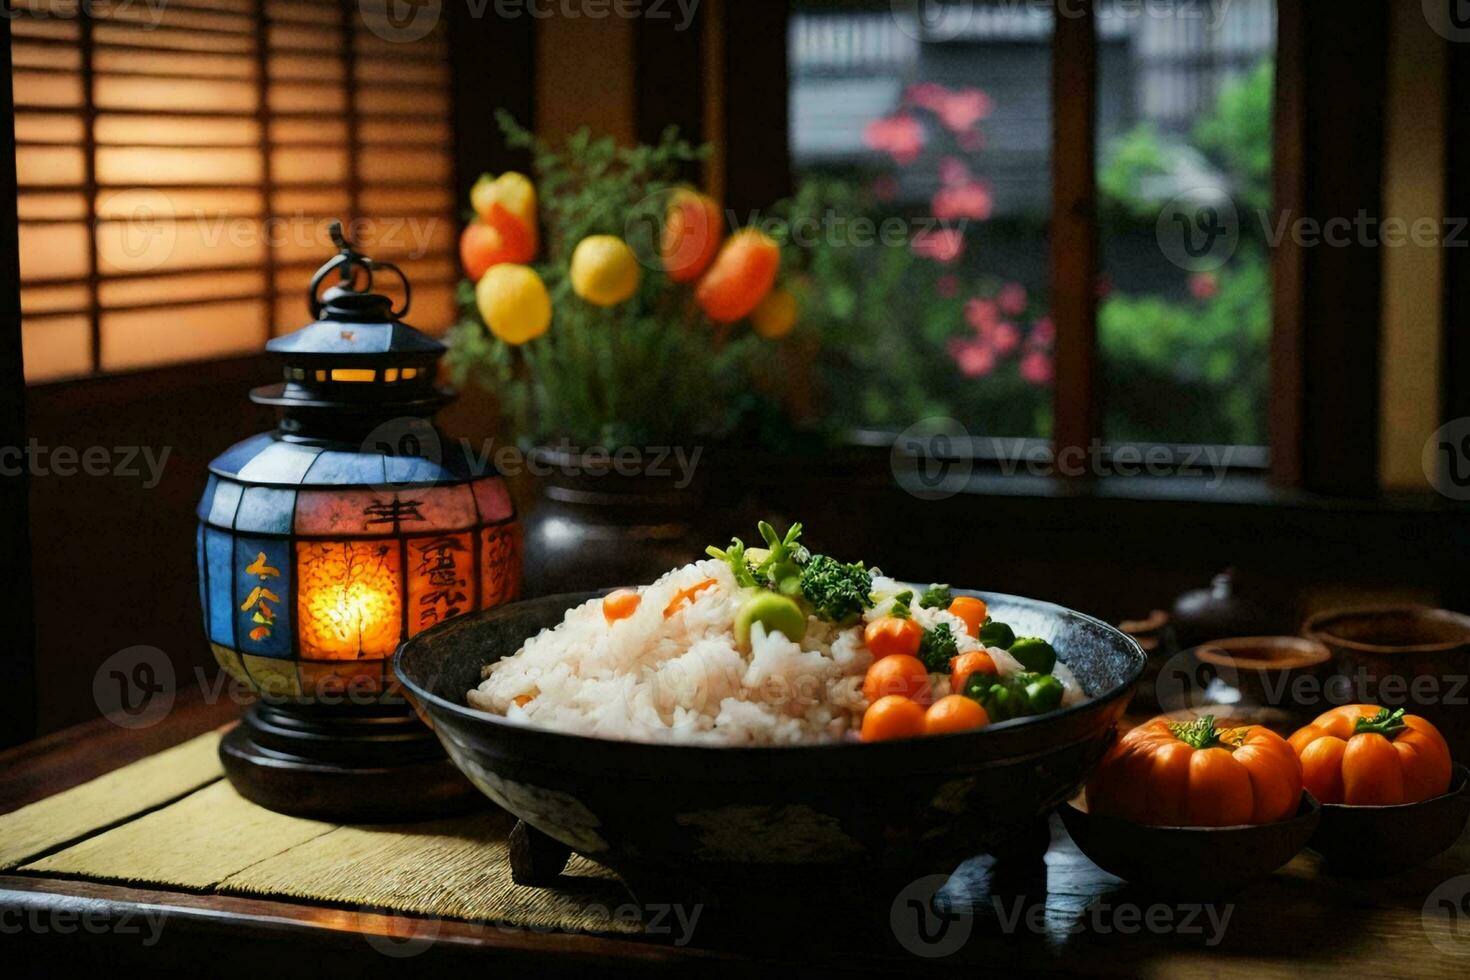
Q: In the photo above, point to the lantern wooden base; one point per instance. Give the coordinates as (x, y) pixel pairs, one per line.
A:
(372, 763)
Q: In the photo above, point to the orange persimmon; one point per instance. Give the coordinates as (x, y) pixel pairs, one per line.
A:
(891, 636)
(899, 674)
(1191, 774)
(741, 275)
(971, 610)
(1361, 754)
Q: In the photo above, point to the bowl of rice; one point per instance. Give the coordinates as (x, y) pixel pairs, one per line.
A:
(773, 719)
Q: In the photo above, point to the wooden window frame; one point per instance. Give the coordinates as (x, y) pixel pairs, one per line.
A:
(1322, 425)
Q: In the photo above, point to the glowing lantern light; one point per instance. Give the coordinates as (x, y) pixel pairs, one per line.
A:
(325, 544)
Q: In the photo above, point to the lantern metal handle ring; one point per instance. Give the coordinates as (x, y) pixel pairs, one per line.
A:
(346, 262)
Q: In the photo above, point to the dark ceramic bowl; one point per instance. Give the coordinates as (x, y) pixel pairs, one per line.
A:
(1267, 670)
(1371, 841)
(1388, 654)
(1190, 862)
(701, 822)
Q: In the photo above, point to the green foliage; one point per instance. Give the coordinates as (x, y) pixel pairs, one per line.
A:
(1204, 359)
(1132, 159)
(938, 648)
(645, 371)
(1238, 134)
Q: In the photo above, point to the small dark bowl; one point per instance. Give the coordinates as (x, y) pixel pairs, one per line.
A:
(1266, 669)
(1190, 862)
(1388, 653)
(1372, 841)
(702, 822)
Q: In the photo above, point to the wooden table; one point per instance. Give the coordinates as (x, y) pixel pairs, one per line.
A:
(1060, 916)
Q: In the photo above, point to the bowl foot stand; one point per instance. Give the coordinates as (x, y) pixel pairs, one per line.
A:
(346, 763)
(536, 859)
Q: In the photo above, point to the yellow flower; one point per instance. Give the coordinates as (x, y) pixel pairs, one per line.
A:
(604, 270)
(512, 191)
(776, 315)
(514, 302)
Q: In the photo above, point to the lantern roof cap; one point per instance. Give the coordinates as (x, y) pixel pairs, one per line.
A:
(352, 319)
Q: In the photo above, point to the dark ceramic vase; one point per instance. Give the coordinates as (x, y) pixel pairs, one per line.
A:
(597, 522)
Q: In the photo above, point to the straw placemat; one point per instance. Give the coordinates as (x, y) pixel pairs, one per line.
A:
(213, 840)
(107, 800)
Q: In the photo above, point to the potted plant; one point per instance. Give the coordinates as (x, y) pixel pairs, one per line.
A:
(626, 337)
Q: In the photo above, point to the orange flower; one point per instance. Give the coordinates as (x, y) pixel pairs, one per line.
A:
(742, 274)
(691, 236)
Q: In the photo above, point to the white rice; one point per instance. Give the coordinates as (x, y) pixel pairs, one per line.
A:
(682, 679)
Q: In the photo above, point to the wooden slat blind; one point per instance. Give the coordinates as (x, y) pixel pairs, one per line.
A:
(179, 163)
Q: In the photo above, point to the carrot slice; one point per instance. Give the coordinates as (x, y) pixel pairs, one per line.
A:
(620, 604)
(686, 595)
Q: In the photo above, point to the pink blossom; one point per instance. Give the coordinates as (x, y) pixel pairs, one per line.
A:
(974, 358)
(1012, 298)
(952, 170)
(980, 314)
(1037, 367)
(962, 109)
(1043, 333)
(944, 246)
(898, 135)
(1004, 337)
(968, 200)
(1203, 286)
(947, 285)
(885, 187)
(927, 95)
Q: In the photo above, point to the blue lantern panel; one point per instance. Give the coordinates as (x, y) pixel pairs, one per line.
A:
(344, 469)
(226, 502)
(199, 572)
(265, 510)
(281, 463)
(262, 600)
(218, 565)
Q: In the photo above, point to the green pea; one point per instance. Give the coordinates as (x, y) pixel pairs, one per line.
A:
(1034, 653)
(776, 613)
(997, 635)
(1044, 693)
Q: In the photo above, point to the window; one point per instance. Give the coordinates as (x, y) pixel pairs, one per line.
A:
(943, 114)
(179, 163)
(941, 134)
(1184, 184)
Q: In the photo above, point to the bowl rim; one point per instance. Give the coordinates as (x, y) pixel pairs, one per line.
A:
(1314, 648)
(466, 713)
(1459, 786)
(1311, 803)
(1317, 627)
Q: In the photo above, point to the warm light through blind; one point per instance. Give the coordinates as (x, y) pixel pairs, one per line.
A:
(179, 163)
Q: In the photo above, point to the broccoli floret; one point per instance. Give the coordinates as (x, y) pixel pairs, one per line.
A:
(937, 649)
(838, 593)
(936, 597)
